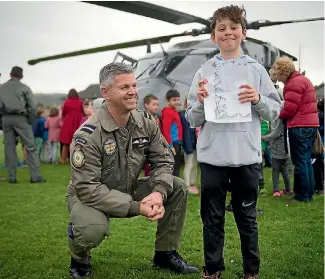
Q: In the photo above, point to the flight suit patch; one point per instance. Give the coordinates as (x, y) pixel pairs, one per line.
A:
(78, 157)
(88, 128)
(140, 142)
(110, 146)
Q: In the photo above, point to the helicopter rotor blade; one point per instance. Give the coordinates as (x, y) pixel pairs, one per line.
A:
(155, 40)
(259, 23)
(152, 11)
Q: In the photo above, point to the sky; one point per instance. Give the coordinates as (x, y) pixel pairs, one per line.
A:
(36, 29)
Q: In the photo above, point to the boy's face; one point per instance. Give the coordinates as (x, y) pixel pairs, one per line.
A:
(152, 107)
(174, 102)
(228, 35)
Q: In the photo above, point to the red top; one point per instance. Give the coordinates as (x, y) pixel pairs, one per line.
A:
(172, 128)
(300, 105)
(72, 113)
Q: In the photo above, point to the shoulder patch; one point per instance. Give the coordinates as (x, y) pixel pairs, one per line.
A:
(78, 157)
(88, 128)
(80, 140)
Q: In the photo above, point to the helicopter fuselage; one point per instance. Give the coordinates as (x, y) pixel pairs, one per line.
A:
(175, 68)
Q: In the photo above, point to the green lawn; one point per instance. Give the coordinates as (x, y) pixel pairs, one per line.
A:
(33, 242)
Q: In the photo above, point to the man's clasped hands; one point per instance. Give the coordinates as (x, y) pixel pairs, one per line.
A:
(152, 206)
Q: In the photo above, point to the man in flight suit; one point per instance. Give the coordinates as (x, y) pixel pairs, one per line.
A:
(16, 106)
(108, 154)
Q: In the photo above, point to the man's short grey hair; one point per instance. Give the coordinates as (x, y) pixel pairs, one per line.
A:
(107, 73)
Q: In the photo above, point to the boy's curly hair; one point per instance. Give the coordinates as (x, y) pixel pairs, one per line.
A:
(283, 67)
(234, 13)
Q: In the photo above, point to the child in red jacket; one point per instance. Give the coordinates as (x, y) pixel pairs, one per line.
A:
(172, 128)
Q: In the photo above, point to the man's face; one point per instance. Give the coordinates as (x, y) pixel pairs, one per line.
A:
(152, 107)
(228, 35)
(174, 102)
(123, 93)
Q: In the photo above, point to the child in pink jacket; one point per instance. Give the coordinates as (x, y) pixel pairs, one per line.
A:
(53, 124)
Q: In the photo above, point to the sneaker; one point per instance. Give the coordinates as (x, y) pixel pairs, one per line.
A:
(276, 194)
(193, 190)
(78, 270)
(229, 207)
(285, 192)
(250, 276)
(263, 192)
(216, 275)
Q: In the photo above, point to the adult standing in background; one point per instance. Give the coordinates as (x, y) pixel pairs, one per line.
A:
(17, 108)
(1, 177)
(72, 113)
(300, 112)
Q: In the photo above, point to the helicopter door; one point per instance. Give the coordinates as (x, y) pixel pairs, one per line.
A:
(122, 58)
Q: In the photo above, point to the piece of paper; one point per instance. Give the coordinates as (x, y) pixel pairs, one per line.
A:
(222, 104)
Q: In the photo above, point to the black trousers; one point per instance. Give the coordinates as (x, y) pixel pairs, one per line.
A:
(244, 187)
(177, 157)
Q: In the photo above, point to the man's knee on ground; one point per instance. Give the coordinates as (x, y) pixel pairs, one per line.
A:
(89, 236)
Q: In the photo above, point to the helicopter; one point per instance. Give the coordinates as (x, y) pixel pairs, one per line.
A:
(158, 72)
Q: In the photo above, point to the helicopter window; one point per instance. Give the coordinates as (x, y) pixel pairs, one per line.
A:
(143, 65)
(184, 69)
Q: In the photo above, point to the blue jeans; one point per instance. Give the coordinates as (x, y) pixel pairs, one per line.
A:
(301, 145)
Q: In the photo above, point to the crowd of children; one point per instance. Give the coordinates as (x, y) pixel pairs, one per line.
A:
(47, 129)
(179, 135)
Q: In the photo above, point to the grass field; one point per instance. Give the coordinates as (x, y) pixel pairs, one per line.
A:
(33, 242)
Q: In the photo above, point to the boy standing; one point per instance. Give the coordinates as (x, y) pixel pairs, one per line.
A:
(231, 151)
(172, 127)
(38, 130)
(151, 104)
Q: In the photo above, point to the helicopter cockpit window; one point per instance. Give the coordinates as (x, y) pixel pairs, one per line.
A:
(142, 68)
(185, 69)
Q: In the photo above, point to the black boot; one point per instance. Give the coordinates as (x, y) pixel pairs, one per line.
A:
(174, 262)
(78, 270)
(38, 180)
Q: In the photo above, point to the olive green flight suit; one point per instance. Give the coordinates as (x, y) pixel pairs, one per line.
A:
(106, 163)
(16, 105)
